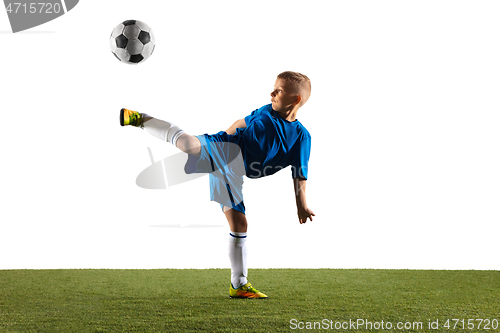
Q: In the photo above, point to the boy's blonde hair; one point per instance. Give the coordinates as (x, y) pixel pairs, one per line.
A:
(301, 82)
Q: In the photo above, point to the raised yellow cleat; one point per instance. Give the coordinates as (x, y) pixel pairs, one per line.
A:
(245, 291)
(129, 117)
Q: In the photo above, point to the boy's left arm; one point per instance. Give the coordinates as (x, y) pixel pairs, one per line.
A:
(299, 185)
(237, 124)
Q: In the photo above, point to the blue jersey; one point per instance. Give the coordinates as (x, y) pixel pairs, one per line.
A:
(266, 145)
(270, 143)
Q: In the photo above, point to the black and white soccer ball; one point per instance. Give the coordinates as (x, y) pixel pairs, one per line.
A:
(132, 42)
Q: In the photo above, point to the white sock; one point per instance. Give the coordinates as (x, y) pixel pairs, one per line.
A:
(238, 258)
(161, 129)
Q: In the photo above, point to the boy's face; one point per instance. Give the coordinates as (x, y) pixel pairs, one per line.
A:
(284, 97)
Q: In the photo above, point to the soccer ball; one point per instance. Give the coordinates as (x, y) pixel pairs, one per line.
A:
(132, 42)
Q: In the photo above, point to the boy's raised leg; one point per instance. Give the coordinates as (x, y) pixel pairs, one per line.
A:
(161, 129)
(189, 144)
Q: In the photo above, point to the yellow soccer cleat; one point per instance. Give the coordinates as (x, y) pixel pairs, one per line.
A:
(245, 291)
(129, 117)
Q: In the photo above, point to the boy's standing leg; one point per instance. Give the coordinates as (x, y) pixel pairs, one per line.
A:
(237, 246)
(240, 288)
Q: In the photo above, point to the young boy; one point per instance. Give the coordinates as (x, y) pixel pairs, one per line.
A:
(266, 141)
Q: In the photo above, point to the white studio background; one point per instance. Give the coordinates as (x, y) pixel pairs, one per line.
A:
(404, 116)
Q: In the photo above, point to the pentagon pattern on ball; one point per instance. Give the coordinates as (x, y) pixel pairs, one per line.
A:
(136, 58)
(144, 37)
(121, 41)
(129, 22)
(132, 41)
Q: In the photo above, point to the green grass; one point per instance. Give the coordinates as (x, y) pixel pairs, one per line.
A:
(168, 300)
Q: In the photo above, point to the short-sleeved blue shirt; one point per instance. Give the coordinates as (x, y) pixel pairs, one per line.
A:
(270, 143)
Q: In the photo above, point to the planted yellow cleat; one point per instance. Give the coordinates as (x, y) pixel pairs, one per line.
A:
(245, 291)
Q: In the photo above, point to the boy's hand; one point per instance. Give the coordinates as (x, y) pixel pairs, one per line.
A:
(304, 214)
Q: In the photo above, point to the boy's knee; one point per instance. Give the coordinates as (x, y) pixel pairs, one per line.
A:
(237, 220)
(189, 144)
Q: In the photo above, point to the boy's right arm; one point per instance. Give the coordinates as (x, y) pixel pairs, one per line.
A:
(237, 124)
(303, 211)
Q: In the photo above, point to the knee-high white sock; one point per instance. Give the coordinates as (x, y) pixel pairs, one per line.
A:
(238, 258)
(161, 129)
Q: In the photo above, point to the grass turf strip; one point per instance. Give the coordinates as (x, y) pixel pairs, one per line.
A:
(169, 300)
